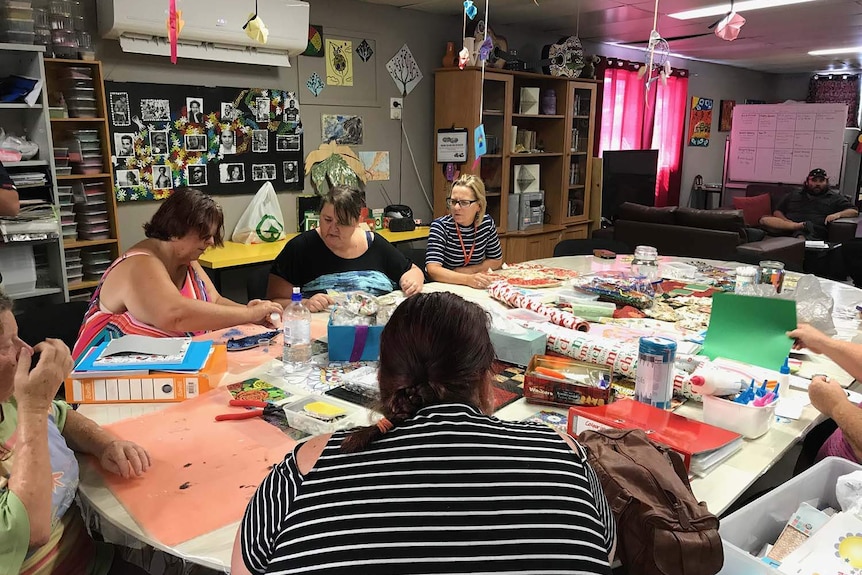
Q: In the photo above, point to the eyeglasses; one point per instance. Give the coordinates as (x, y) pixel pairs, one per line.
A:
(450, 203)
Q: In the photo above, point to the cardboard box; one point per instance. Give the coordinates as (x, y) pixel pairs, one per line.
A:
(354, 342)
(540, 387)
(157, 386)
(518, 348)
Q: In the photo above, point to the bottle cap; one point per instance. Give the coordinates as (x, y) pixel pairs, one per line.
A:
(785, 367)
(297, 295)
(697, 380)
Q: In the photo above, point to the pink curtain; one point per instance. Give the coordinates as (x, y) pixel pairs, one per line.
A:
(628, 122)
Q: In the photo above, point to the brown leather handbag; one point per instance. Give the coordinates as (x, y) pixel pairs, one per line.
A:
(661, 528)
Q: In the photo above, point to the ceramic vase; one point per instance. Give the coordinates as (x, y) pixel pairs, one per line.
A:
(450, 58)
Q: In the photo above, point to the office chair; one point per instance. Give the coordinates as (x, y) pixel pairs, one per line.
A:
(586, 246)
(61, 321)
(257, 281)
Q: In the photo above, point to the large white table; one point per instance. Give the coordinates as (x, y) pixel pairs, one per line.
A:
(719, 488)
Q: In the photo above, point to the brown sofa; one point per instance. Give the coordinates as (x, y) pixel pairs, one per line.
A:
(840, 230)
(710, 234)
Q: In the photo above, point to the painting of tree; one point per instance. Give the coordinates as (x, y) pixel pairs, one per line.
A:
(404, 70)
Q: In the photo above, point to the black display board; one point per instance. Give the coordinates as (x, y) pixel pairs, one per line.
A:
(224, 140)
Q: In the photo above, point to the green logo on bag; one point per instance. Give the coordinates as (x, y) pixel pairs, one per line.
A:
(269, 229)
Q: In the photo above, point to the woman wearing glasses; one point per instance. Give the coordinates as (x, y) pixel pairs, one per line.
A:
(463, 246)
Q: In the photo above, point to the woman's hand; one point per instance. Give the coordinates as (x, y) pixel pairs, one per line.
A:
(124, 458)
(809, 337)
(317, 302)
(263, 311)
(410, 287)
(826, 395)
(481, 280)
(36, 388)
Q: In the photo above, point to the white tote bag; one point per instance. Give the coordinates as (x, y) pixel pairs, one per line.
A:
(261, 222)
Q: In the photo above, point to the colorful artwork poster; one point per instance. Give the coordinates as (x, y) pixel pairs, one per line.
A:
(700, 122)
(220, 138)
(725, 115)
(376, 165)
(343, 129)
(339, 62)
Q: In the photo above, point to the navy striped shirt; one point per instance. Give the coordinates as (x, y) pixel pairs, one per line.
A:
(449, 491)
(444, 247)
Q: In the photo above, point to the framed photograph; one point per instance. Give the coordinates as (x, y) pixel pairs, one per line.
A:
(196, 142)
(262, 172)
(227, 142)
(124, 145)
(231, 173)
(291, 171)
(196, 175)
(452, 146)
(128, 178)
(527, 178)
(228, 111)
(153, 110)
(287, 143)
(159, 142)
(291, 110)
(259, 141)
(162, 177)
(261, 109)
(120, 112)
(195, 109)
(725, 115)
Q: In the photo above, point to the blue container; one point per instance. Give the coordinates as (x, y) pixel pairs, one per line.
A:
(654, 376)
(354, 342)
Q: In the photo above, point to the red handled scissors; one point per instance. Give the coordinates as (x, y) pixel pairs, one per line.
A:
(267, 409)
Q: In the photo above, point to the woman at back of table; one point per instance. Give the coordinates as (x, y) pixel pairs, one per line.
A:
(157, 288)
(463, 246)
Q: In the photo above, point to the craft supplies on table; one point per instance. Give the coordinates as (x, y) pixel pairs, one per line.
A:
(654, 379)
(561, 381)
(750, 421)
(316, 414)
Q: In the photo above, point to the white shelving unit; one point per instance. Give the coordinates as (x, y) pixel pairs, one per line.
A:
(34, 122)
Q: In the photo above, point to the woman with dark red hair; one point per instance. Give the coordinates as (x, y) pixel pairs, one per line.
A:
(437, 485)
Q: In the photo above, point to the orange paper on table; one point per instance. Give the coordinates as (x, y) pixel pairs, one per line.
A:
(203, 472)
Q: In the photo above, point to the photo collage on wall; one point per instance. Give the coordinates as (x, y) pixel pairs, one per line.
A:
(225, 140)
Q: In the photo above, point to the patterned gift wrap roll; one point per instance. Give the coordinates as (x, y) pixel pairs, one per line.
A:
(502, 291)
(620, 356)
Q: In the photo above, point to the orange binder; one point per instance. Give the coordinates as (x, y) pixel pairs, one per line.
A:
(155, 386)
(689, 438)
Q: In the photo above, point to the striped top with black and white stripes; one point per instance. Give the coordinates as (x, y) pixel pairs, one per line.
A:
(444, 246)
(448, 491)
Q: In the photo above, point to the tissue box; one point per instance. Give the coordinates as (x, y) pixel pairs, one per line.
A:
(354, 342)
(542, 387)
(518, 348)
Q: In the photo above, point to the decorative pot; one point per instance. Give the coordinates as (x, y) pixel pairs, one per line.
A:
(450, 58)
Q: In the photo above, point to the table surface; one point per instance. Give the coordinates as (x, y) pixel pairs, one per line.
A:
(233, 254)
(719, 488)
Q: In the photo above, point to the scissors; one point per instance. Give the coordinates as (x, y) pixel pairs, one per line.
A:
(267, 409)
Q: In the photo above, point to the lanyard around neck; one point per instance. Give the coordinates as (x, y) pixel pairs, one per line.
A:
(467, 257)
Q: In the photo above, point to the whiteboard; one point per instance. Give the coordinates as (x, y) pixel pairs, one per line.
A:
(783, 142)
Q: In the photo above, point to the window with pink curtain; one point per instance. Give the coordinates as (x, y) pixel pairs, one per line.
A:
(629, 122)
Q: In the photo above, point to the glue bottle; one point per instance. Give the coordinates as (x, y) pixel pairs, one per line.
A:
(784, 374)
(711, 381)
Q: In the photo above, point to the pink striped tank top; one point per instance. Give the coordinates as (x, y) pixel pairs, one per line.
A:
(100, 325)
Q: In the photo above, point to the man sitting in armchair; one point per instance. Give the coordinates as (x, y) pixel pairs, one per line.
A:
(806, 212)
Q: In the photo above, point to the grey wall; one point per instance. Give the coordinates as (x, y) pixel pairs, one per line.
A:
(426, 36)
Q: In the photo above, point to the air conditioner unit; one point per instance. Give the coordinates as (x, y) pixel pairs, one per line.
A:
(212, 30)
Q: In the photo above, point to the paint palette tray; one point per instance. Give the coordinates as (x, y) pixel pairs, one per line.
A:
(305, 414)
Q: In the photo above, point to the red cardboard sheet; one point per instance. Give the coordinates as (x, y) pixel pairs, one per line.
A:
(203, 473)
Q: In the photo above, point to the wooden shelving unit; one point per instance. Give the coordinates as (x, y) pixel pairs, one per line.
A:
(564, 142)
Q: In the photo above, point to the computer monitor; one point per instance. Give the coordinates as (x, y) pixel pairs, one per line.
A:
(628, 176)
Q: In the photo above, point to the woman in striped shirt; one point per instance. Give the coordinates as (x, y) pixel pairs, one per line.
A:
(463, 246)
(437, 485)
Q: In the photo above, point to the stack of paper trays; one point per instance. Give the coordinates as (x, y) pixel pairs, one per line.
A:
(142, 354)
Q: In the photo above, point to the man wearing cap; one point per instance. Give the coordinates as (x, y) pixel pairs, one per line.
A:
(806, 212)
(9, 205)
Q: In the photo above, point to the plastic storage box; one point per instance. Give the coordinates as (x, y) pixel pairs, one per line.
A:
(298, 417)
(747, 420)
(18, 265)
(760, 522)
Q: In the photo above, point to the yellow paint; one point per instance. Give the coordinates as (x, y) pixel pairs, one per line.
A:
(850, 550)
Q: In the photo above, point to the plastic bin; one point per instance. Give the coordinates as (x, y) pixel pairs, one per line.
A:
(18, 266)
(747, 420)
(297, 417)
(747, 530)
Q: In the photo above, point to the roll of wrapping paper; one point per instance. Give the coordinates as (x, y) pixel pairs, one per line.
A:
(590, 309)
(621, 357)
(502, 291)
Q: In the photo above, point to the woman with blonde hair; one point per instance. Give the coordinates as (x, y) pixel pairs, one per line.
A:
(463, 246)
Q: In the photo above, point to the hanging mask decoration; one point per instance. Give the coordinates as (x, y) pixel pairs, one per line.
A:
(175, 25)
(255, 28)
(485, 49)
(469, 9)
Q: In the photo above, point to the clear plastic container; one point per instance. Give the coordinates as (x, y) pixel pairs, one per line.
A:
(17, 25)
(19, 13)
(17, 37)
(747, 420)
(645, 262)
(299, 418)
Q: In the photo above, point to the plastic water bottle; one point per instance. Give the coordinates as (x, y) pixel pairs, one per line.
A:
(297, 336)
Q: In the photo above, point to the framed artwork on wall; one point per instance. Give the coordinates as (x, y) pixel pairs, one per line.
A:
(725, 115)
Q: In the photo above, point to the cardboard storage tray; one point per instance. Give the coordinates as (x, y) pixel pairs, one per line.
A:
(547, 389)
(344, 345)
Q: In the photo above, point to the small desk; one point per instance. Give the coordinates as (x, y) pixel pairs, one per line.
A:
(234, 255)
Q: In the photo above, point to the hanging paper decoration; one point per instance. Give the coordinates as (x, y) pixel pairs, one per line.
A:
(728, 29)
(339, 62)
(314, 84)
(255, 28)
(175, 26)
(469, 9)
(404, 70)
(315, 41)
(480, 144)
(364, 51)
(485, 49)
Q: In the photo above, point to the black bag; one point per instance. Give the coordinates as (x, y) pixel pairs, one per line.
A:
(398, 211)
(661, 527)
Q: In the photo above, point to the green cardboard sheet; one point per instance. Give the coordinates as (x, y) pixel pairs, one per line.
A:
(750, 329)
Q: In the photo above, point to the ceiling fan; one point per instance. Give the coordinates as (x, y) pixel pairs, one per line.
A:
(727, 27)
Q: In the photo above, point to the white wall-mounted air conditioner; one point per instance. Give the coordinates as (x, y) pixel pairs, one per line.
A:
(212, 30)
